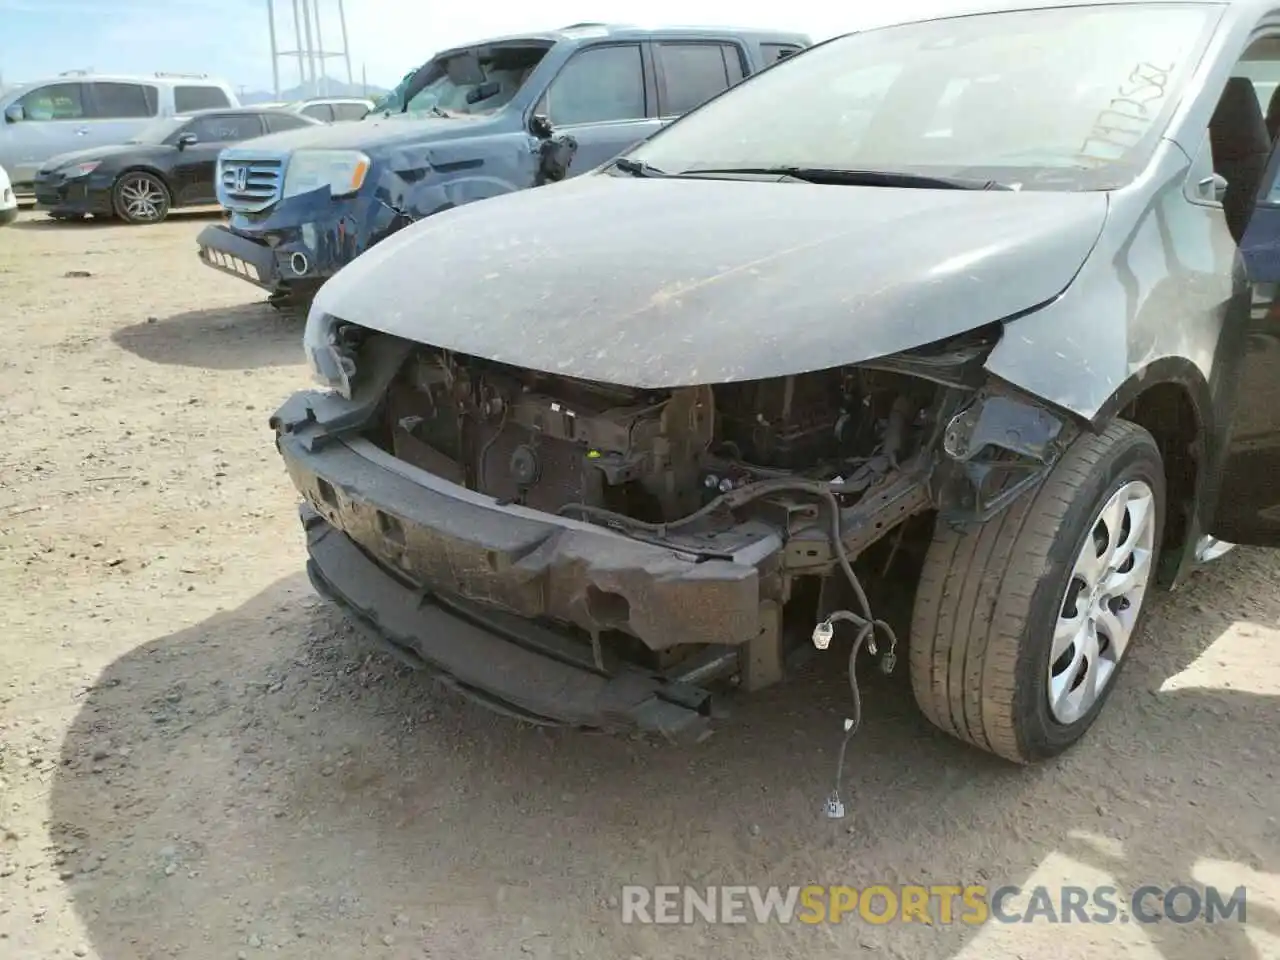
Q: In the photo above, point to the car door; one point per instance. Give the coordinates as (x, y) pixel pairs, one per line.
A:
(118, 110)
(47, 120)
(604, 98)
(195, 167)
(1247, 499)
(692, 72)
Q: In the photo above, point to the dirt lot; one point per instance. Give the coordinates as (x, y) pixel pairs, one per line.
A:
(198, 760)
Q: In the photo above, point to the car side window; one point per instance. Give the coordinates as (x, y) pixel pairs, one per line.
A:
(226, 129)
(598, 85)
(116, 101)
(319, 111)
(187, 99)
(693, 73)
(773, 52)
(55, 101)
(350, 111)
(276, 122)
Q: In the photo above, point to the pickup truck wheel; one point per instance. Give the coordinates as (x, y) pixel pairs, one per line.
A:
(140, 197)
(1021, 623)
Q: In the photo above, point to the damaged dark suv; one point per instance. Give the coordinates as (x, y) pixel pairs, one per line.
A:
(984, 307)
(474, 122)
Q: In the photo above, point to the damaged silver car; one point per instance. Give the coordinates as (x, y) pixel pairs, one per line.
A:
(978, 309)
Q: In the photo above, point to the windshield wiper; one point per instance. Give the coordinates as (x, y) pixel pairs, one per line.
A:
(638, 168)
(859, 178)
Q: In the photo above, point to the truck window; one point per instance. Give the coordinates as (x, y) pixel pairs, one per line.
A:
(114, 101)
(505, 69)
(227, 128)
(598, 85)
(187, 99)
(773, 52)
(319, 111)
(54, 101)
(693, 73)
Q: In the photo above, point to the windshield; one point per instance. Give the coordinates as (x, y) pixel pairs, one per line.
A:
(158, 130)
(502, 72)
(1065, 98)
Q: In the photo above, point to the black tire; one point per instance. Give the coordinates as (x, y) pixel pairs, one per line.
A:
(139, 197)
(989, 598)
(292, 301)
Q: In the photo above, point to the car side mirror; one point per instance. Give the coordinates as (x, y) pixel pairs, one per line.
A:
(540, 126)
(14, 113)
(187, 140)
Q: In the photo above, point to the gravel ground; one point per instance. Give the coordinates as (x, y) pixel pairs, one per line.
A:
(198, 759)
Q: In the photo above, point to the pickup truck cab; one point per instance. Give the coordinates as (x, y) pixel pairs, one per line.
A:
(474, 122)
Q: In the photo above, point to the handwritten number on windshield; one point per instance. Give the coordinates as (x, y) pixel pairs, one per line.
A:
(1128, 116)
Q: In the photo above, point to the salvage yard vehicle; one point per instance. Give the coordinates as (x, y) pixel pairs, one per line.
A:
(473, 123)
(994, 316)
(78, 110)
(169, 164)
(8, 201)
(333, 109)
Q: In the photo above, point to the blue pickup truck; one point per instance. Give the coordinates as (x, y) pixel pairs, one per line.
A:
(472, 123)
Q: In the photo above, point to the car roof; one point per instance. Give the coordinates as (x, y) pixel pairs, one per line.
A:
(620, 31)
(155, 79)
(223, 111)
(352, 99)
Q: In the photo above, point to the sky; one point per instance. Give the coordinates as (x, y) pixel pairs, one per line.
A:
(229, 38)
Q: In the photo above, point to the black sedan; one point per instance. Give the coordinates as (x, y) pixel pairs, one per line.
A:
(169, 164)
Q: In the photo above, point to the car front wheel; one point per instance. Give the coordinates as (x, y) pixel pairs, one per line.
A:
(140, 197)
(1022, 623)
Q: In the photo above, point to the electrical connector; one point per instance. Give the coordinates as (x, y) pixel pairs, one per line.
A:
(888, 662)
(834, 807)
(823, 633)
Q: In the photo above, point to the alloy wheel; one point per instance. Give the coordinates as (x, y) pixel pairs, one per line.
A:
(142, 198)
(1103, 598)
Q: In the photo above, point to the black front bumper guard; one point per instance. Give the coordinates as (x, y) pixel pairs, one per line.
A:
(505, 663)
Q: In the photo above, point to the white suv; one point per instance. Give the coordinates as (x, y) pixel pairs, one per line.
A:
(79, 110)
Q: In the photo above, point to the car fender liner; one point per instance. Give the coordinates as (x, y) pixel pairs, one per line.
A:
(997, 447)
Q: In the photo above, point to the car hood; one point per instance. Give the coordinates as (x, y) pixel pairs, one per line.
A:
(370, 134)
(105, 153)
(668, 282)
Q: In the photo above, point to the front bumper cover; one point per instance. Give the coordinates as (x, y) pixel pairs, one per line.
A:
(451, 540)
(79, 195)
(238, 256)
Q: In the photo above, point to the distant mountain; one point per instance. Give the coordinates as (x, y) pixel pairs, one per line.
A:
(328, 87)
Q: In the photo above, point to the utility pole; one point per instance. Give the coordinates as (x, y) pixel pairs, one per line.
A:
(323, 89)
(275, 51)
(310, 50)
(297, 29)
(346, 46)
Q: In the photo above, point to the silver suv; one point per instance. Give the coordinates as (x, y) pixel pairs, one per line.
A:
(78, 110)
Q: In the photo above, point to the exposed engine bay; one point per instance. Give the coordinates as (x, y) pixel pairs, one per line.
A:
(571, 446)
(640, 547)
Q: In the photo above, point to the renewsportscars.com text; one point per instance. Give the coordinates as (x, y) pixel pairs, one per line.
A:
(940, 904)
